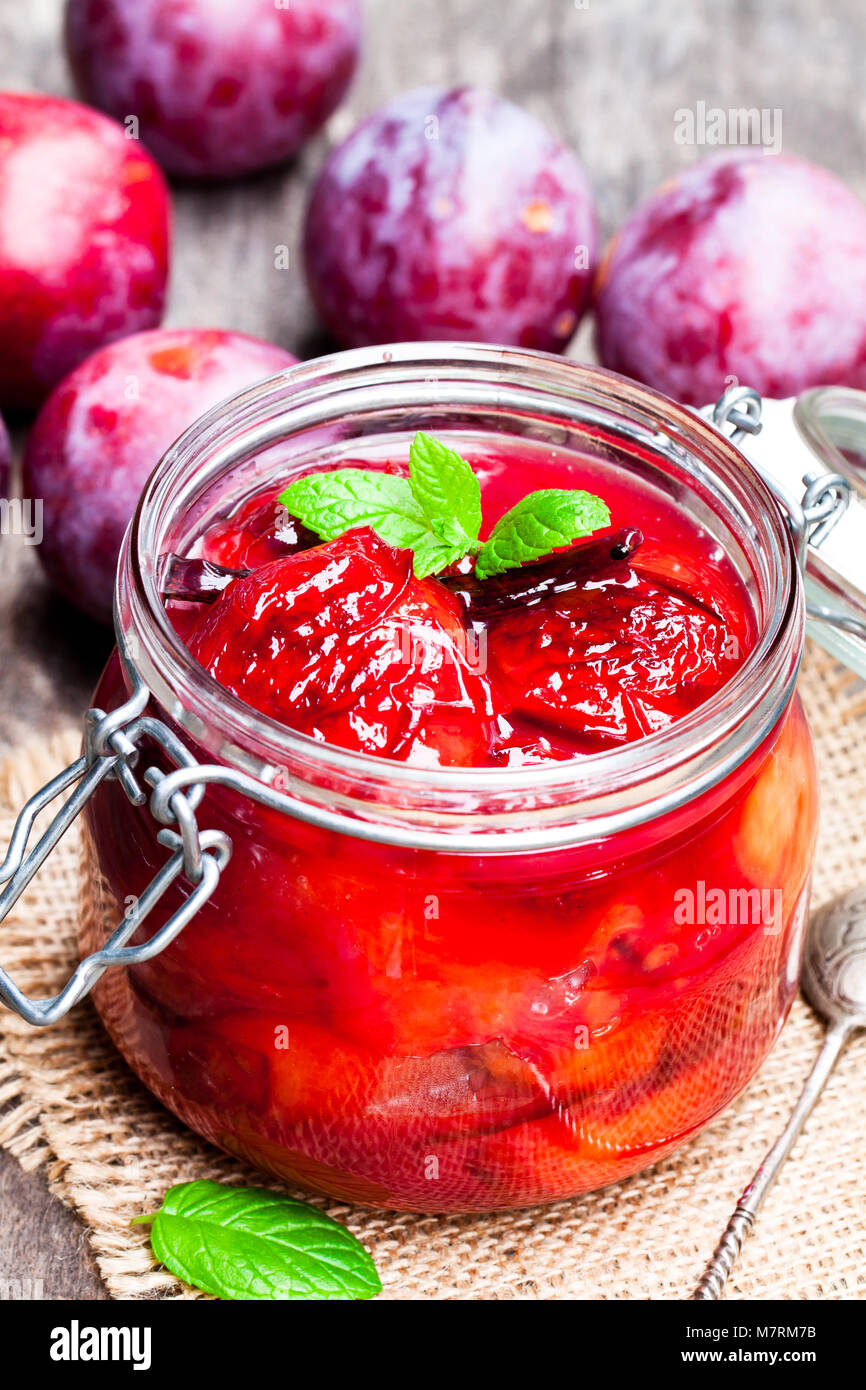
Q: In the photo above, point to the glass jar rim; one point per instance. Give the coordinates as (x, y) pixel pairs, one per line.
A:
(668, 767)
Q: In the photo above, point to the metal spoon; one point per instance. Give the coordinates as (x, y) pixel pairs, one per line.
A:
(834, 982)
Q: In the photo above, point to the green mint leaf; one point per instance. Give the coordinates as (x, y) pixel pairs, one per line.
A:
(247, 1243)
(445, 486)
(541, 522)
(333, 503)
(432, 556)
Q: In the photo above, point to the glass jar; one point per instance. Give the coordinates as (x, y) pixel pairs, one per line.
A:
(458, 989)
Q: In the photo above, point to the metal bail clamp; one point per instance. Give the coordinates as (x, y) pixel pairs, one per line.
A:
(111, 750)
(807, 450)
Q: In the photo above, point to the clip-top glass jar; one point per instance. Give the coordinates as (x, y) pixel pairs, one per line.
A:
(448, 989)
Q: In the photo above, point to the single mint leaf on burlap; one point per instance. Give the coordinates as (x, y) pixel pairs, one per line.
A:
(248, 1243)
(445, 486)
(332, 503)
(540, 523)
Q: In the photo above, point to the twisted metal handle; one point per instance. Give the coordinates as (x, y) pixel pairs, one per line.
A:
(726, 1254)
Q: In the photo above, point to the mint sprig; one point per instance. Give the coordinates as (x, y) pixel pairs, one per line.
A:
(436, 512)
(248, 1243)
(540, 523)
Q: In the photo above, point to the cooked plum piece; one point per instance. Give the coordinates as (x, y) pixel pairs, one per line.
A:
(618, 657)
(342, 643)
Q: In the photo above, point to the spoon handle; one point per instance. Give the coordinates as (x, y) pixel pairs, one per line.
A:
(715, 1275)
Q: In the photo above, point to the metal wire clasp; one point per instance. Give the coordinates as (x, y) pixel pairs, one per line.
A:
(811, 517)
(826, 495)
(112, 751)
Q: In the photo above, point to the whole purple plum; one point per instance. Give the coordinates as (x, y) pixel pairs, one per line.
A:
(218, 88)
(102, 431)
(84, 240)
(451, 214)
(5, 460)
(750, 267)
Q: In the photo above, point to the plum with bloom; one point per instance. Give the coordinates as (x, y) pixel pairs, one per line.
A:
(84, 241)
(216, 89)
(451, 214)
(745, 268)
(103, 430)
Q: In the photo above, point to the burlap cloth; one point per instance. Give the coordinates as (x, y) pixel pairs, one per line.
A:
(110, 1151)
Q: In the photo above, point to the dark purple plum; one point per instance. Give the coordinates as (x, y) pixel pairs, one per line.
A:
(451, 214)
(103, 430)
(83, 240)
(749, 268)
(217, 89)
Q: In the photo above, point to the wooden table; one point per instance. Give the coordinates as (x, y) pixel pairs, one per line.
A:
(608, 75)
